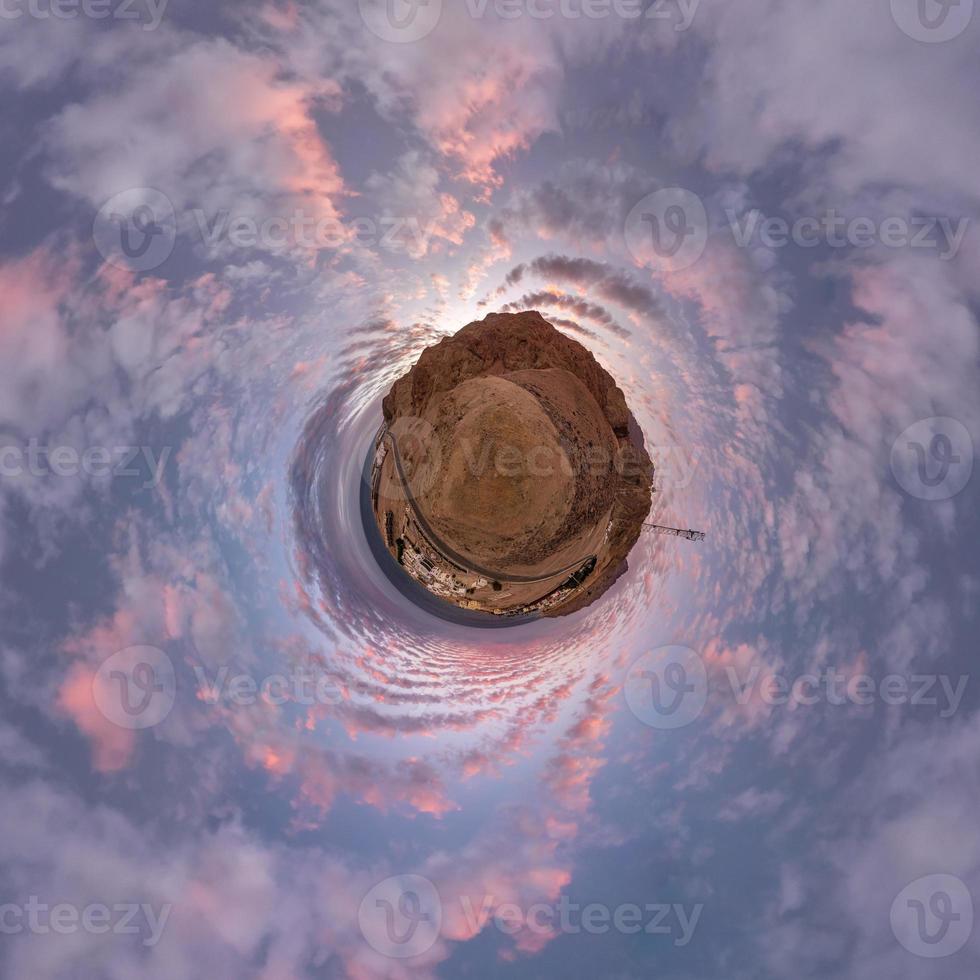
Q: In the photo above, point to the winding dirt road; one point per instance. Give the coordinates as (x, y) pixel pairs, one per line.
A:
(454, 556)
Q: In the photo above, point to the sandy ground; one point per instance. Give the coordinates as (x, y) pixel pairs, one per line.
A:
(502, 472)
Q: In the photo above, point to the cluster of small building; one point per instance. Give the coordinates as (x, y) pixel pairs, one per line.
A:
(410, 546)
(437, 580)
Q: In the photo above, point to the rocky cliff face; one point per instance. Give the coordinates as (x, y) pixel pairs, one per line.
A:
(501, 343)
(576, 482)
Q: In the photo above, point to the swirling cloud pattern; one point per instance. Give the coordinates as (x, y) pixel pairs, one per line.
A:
(183, 439)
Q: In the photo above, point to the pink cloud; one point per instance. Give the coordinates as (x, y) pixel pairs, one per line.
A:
(112, 746)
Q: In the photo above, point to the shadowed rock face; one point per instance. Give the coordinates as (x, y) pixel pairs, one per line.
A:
(514, 462)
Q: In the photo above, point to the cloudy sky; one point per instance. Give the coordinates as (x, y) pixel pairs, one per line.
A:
(230, 747)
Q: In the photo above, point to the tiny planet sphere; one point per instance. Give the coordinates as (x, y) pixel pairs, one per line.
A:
(509, 476)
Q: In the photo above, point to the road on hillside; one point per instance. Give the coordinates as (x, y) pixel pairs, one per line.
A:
(454, 556)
